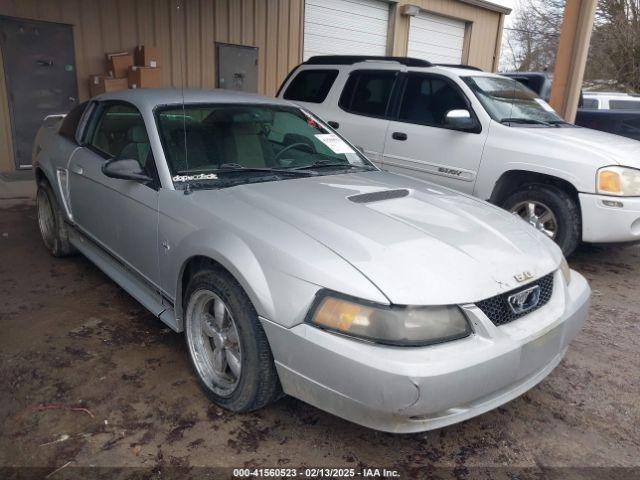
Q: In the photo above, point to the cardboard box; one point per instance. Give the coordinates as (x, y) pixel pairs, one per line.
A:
(147, 56)
(145, 77)
(101, 84)
(118, 64)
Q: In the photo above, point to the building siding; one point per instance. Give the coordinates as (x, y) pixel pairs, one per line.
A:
(186, 32)
(482, 44)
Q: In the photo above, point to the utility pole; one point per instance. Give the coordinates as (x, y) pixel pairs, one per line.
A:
(571, 58)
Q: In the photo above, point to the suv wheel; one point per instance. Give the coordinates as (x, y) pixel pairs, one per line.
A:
(550, 210)
(53, 229)
(228, 347)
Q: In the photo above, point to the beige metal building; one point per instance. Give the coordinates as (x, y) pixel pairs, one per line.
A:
(189, 34)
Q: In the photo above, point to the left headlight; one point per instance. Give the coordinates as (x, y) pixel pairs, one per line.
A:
(406, 326)
(618, 181)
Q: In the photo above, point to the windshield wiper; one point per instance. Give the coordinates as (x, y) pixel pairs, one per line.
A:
(321, 164)
(525, 121)
(557, 123)
(235, 168)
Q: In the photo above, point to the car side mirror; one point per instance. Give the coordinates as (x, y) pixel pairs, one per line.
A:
(125, 169)
(459, 120)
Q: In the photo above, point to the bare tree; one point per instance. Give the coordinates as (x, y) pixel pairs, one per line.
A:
(614, 54)
(532, 39)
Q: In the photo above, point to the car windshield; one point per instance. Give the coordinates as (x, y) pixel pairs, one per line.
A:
(508, 101)
(219, 145)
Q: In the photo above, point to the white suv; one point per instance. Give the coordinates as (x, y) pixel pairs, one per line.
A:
(611, 101)
(482, 134)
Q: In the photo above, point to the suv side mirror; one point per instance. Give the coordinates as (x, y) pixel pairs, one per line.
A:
(125, 169)
(459, 119)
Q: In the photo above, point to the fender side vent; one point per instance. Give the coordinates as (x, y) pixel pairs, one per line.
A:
(378, 196)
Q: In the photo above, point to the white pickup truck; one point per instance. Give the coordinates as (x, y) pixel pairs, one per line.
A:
(482, 134)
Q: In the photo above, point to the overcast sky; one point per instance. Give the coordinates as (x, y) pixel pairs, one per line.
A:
(513, 4)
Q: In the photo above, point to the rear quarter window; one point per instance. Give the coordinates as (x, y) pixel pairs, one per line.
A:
(311, 86)
(70, 123)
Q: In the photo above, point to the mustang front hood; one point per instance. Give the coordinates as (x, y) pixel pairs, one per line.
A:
(424, 246)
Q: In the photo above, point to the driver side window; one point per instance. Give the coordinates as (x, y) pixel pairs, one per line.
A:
(120, 133)
(427, 99)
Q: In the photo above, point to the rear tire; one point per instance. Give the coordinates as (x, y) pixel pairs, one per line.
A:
(227, 346)
(552, 204)
(51, 222)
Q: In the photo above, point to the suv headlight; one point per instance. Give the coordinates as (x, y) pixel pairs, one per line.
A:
(619, 181)
(405, 326)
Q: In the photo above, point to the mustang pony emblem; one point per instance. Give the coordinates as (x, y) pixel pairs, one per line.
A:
(524, 300)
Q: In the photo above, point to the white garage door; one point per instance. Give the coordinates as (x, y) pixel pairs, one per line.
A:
(345, 27)
(435, 38)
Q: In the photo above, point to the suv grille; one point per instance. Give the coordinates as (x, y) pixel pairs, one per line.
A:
(498, 310)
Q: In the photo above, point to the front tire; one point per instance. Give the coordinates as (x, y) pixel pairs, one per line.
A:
(51, 223)
(550, 210)
(227, 346)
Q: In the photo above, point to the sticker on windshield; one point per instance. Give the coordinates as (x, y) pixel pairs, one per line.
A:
(335, 143)
(545, 105)
(200, 176)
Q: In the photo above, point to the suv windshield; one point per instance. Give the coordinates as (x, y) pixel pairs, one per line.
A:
(508, 101)
(218, 145)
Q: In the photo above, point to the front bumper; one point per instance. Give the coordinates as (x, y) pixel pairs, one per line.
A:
(411, 389)
(602, 223)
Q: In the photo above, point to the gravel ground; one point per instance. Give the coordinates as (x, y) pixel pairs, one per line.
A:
(72, 338)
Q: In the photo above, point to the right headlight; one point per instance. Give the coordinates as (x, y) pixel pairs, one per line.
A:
(618, 181)
(405, 326)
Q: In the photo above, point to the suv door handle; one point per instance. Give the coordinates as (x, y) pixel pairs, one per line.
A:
(76, 169)
(333, 124)
(399, 136)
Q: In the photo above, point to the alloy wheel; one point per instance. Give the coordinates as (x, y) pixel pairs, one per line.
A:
(538, 215)
(214, 343)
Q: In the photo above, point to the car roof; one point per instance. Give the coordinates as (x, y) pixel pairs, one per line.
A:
(389, 64)
(149, 98)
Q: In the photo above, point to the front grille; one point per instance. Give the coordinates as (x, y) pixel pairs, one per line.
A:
(498, 310)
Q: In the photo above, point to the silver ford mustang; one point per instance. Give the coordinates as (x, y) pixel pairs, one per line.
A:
(294, 265)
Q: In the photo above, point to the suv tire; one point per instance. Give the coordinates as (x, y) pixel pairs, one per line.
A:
(227, 346)
(562, 207)
(51, 222)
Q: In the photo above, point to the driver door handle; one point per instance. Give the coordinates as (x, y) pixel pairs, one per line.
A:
(77, 169)
(399, 136)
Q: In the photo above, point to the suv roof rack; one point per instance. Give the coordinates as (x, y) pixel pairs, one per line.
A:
(457, 65)
(351, 59)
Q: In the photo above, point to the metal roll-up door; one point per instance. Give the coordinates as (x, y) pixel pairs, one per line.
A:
(345, 27)
(436, 38)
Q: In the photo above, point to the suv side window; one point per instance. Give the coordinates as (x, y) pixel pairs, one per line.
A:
(367, 92)
(590, 103)
(311, 86)
(624, 104)
(428, 98)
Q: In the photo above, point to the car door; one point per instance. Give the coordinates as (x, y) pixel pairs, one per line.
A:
(121, 216)
(420, 142)
(363, 110)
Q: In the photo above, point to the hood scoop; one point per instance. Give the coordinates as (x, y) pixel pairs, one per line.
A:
(379, 196)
